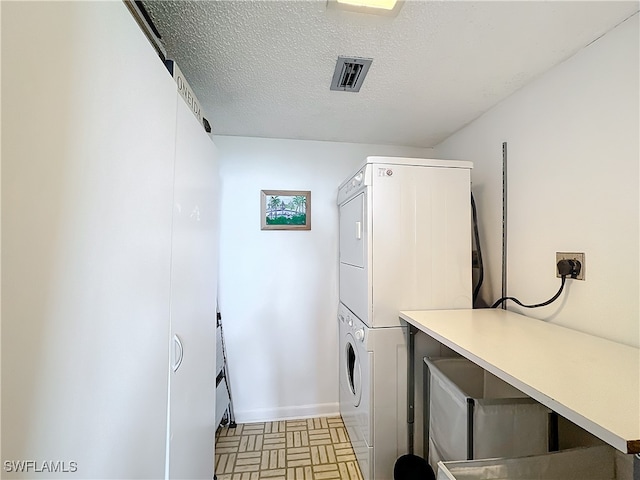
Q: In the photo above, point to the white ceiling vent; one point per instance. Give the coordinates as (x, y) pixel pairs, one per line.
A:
(349, 73)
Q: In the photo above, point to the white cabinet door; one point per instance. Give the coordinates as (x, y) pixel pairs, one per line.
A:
(88, 122)
(194, 273)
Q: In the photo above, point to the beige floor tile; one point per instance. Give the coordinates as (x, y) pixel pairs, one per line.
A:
(273, 474)
(309, 449)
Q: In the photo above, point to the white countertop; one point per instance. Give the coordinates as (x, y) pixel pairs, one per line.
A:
(591, 381)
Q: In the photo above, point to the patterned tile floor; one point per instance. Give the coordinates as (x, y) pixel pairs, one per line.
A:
(311, 449)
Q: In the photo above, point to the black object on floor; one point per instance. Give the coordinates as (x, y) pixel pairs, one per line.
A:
(412, 467)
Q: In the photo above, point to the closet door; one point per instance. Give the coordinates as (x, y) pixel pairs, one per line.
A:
(194, 271)
(88, 122)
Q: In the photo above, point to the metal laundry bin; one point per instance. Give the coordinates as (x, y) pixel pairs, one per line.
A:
(589, 463)
(472, 414)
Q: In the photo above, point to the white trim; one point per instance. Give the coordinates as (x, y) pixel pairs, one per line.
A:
(287, 413)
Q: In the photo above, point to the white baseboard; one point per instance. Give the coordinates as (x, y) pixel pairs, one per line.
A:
(287, 413)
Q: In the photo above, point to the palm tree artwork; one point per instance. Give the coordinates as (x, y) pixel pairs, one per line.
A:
(285, 209)
(274, 203)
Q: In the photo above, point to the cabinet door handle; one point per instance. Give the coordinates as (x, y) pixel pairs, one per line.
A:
(358, 230)
(178, 352)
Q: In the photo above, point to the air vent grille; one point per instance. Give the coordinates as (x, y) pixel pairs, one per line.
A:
(349, 73)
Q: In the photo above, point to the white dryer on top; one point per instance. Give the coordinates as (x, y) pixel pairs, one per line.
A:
(405, 238)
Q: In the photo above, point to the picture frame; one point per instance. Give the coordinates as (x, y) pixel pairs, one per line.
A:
(285, 210)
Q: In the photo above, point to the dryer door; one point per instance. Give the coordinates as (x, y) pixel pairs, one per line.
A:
(352, 231)
(354, 287)
(352, 370)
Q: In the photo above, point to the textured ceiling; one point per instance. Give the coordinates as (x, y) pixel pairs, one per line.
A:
(263, 68)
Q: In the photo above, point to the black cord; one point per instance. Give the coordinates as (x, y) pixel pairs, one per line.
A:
(552, 299)
(476, 235)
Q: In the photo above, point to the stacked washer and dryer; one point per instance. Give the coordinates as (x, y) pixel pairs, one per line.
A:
(405, 244)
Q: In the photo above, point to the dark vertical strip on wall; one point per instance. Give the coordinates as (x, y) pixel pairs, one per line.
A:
(504, 223)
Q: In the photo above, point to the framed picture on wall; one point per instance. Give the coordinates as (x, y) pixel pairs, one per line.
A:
(285, 210)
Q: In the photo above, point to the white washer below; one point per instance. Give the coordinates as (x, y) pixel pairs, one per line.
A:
(373, 393)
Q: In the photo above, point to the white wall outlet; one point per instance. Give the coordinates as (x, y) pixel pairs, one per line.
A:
(571, 256)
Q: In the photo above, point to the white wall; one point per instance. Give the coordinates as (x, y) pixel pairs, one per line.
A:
(279, 289)
(573, 186)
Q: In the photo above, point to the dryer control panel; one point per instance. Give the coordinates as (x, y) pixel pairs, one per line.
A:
(352, 186)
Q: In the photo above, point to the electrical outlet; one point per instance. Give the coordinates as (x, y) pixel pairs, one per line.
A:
(571, 256)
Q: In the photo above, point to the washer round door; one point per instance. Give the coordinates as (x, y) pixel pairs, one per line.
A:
(352, 370)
